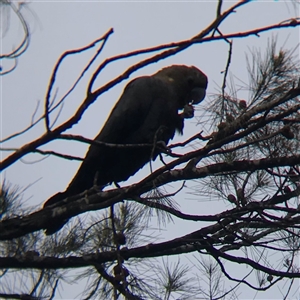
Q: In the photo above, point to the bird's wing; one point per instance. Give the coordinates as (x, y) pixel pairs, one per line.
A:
(140, 111)
(137, 113)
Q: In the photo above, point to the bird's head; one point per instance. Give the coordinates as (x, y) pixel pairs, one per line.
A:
(189, 83)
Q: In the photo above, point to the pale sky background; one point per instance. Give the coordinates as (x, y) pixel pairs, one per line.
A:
(57, 26)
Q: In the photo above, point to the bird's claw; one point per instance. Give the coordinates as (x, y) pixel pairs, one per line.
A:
(188, 111)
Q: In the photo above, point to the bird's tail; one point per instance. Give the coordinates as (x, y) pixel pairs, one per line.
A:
(55, 199)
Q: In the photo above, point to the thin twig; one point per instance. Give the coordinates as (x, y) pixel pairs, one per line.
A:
(63, 56)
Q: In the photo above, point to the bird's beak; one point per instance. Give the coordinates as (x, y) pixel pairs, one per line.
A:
(196, 95)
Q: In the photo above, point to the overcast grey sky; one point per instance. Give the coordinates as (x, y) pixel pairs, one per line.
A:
(57, 26)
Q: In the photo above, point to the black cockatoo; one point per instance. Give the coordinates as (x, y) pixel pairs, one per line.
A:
(147, 112)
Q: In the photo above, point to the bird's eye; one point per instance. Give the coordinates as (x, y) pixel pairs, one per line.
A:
(190, 80)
